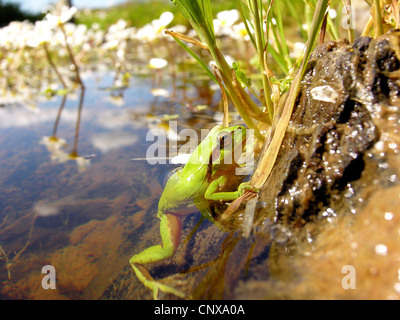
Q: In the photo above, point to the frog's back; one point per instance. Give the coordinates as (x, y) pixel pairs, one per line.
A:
(184, 192)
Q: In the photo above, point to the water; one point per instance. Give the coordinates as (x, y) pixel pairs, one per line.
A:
(84, 215)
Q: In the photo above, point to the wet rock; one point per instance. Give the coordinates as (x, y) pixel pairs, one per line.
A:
(335, 124)
(330, 200)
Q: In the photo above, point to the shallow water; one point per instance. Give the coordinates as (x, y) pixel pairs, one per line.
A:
(81, 215)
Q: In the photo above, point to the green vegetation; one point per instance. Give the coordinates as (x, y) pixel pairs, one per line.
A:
(265, 21)
(137, 14)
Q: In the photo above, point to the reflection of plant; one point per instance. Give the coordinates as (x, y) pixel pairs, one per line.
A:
(54, 144)
(57, 145)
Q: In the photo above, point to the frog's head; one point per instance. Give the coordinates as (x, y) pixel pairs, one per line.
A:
(227, 146)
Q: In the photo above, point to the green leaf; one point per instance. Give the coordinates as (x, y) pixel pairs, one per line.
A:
(240, 75)
(199, 14)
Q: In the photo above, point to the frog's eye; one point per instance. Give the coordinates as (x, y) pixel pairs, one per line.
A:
(224, 139)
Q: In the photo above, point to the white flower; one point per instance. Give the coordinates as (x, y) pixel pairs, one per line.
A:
(120, 25)
(228, 18)
(157, 63)
(40, 34)
(165, 20)
(82, 162)
(224, 22)
(146, 33)
(53, 143)
(332, 13)
(55, 20)
(110, 44)
(240, 31)
(298, 50)
(179, 28)
(153, 30)
(55, 146)
(160, 92)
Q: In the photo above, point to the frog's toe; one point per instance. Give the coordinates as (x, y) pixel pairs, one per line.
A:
(158, 286)
(245, 186)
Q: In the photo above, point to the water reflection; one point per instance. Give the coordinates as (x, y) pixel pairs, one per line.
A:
(70, 194)
(56, 146)
(83, 222)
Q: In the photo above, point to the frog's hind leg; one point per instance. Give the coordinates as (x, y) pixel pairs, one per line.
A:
(170, 229)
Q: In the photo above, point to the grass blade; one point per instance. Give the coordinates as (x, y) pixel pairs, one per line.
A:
(194, 55)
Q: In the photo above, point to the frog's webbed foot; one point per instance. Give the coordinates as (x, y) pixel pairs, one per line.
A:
(170, 229)
(154, 285)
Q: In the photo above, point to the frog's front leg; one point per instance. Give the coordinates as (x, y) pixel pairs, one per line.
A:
(170, 229)
(213, 194)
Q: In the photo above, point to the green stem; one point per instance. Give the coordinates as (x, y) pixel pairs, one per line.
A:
(297, 17)
(332, 29)
(260, 51)
(60, 110)
(53, 65)
(378, 18)
(226, 73)
(197, 58)
(243, 17)
(350, 31)
(78, 123)
(72, 57)
(278, 17)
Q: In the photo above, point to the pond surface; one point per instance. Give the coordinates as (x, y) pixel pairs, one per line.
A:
(85, 215)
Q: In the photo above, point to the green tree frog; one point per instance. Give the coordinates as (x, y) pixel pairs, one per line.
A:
(204, 179)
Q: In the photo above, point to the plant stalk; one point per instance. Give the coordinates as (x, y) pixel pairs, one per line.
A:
(53, 65)
(226, 74)
(378, 18)
(260, 51)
